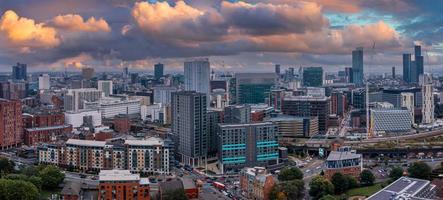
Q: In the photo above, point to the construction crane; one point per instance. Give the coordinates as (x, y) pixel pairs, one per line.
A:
(368, 125)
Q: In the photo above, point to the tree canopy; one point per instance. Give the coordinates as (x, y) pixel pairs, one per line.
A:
(319, 187)
(396, 173)
(17, 190)
(51, 177)
(288, 174)
(367, 178)
(420, 170)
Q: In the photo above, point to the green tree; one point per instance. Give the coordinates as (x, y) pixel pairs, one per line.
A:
(352, 182)
(328, 197)
(367, 178)
(17, 190)
(176, 195)
(6, 166)
(294, 189)
(420, 170)
(288, 174)
(319, 187)
(51, 177)
(30, 171)
(396, 173)
(340, 183)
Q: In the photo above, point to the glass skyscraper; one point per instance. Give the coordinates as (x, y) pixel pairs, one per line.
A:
(357, 66)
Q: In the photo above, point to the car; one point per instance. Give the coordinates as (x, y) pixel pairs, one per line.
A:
(83, 176)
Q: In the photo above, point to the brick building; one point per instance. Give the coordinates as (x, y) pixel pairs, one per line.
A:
(32, 136)
(11, 123)
(344, 162)
(122, 184)
(256, 182)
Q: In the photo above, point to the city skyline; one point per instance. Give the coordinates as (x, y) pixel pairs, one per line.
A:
(118, 34)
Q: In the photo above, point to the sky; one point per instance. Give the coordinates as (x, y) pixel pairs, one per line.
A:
(248, 35)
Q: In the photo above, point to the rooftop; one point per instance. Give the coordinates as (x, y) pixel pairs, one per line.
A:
(146, 142)
(406, 188)
(89, 143)
(337, 155)
(118, 175)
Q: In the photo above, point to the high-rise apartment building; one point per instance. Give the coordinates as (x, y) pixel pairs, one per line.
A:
(106, 87)
(162, 94)
(357, 66)
(88, 73)
(19, 72)
(75, 98)
(428, 104)
(313, 76)
(44, 82)
(237, 114)
(253, 88)
(407, 101)
(197, 75)
(158, 71)
(189, 126)
(11, 123)
(413, 69)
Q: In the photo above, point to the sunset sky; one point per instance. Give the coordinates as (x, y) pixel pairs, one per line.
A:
(244, 35)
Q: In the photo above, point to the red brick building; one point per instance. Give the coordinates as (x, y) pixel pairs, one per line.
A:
(344, 162)
(256, 182)
(11, 123)
(32, 136)
(121, 184)
(121, 124)
(40, 126)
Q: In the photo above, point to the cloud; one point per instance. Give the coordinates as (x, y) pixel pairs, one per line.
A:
(25, 33)
(76, 23)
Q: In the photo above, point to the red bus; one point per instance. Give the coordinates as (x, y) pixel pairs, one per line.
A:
(218, 185)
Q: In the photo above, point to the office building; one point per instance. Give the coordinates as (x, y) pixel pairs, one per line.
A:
(197, 76)
(307, 106)
(75, 98)
(276, 99)
(390, 121)
(260, 112)
(162, 94)
(189, 126)
(257, 183)
(110, 107)
(290, 128)
(158, 71)
(214, 118)
(407, 101)
(122, 184)
(313, 76)
(407, 67)
(344, 162)
(393, 72)
(237, 114)
(247, 145)
(407, 188)
(88, 73)
(428, 104)
(106, 87)
(413, 69)
(348, 72)
(357, 66)
(11, 129)
(44, 82)
(277, 69)
(13, 90)
(339, 103)
(19, 72)
(419, 62)
(252, 88)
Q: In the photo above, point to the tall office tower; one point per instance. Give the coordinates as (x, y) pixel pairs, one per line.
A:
(419, 68)
(407, 67)
(237, 114)
(106, 87)
(313, 76)
(162, 94)
(11, 129)
(393, 72)
(88, 73)
(44, 82)
(407, 101)
(427, 109)
(357, 66)
(158, 71)
(125, 72)
(306, 106)
(243, 145)
(19, 72)
(197, 76)
(75, 98)
(349, 78)
(253, 87)
(277, 69)
(189, 126)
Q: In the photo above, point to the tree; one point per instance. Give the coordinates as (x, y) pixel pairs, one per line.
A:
(420, 170)
(367, 178)
(328, 197)
(277, 194)
(288, 174)
(319, 187)
(51, 177)
(6, 166)
(176, 195)
(352, 182)
(30, 171)
(396, 173)
(17, 189)
(340, 183)
(294, 189)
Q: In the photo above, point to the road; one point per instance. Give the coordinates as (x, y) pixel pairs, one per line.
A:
(401, 137)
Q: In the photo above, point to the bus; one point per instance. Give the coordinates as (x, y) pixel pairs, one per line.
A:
(218, 185)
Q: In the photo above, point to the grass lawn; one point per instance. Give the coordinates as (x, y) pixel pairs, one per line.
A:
(364, 191)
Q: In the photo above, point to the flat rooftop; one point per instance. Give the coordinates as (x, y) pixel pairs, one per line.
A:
(346, 155)
(405, 188)
(118, 175)
(89, 143)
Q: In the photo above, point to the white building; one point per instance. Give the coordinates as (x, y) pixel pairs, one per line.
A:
(75, 98)
(407, 101)
(428, 104)
(162, 94)
(197, 74)
(105, 86)
(110, 107)
(44, 82)
(76, 118)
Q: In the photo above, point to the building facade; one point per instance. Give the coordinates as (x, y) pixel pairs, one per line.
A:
(428, 104)
(313, 76)
(11, 123)
(158, 71)
(197, 74)
(307, 106)
(252, 88)
(344, 162)
(75, 98)
(122, 184)
(357, 66)
(106, 87)
(256, 182)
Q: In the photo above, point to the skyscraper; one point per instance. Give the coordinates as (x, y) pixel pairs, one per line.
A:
(105, 86)
(44, 82)
(413, 69)
(253, 87)
(19, 72)
(277, 69)
(88, 73)
(158, 71)
(313, 76)
(357, 66)
(419, 68)
(189, 126)
(428, 104)
(197, 74)
(393, 72)
(407, 67)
